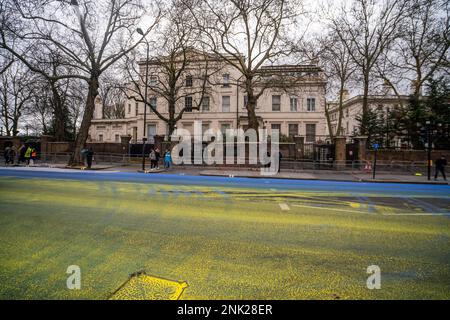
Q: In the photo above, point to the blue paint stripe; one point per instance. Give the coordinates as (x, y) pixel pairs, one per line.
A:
(281, 184)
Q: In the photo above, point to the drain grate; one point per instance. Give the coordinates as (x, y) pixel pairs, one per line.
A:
(141, 286)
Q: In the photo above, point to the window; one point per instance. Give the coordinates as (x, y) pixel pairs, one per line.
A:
(276, 103)
(151, 130)
(137, 108)
(245, 101)
(310, 132)
(226, 80)
(188, 126)
(224, 127)
(153, 102)
(293, 129)
(153, 80)
(205, 127)
(189, 81)
(117, 138)
(311, 104)
(188, 104)
(205, 104)
(100, 137)
(293, 103)
(226, 103)
(276, 126)
(129, 108)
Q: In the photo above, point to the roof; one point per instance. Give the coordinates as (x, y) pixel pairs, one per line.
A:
(371, 98)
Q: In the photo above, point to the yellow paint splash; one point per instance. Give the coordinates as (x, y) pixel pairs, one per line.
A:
(146, 287)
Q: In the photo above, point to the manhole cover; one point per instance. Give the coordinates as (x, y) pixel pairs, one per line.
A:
(141, 286)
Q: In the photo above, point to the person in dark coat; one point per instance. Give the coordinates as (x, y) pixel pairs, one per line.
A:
(22, 151)
(89, 157)
(280, 156)
(158, 157)
(440, 167)
(7, 154)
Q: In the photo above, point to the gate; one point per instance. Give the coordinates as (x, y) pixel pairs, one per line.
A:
(351, 152)
(136, 149)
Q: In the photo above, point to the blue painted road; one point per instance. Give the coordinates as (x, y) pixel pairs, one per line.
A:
(354, 188)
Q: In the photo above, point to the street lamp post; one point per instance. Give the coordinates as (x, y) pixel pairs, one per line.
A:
(144, 139)
(429, 142)
(429, 132)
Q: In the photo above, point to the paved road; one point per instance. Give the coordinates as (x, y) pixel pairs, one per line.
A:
(430, 199)
(229, 238)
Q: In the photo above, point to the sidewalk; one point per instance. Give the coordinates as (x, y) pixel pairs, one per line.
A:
(327, 175)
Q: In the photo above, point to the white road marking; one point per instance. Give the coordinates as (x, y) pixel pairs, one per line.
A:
(384, 214)
(284, 206)
(332, 209)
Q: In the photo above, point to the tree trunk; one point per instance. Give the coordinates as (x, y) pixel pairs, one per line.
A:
(171, 124)
(365, 105)
(341, 112)
(251, 113)
(330, 129)
(83, 133)
(59, 115)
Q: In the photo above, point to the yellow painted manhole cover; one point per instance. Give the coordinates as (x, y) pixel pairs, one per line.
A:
(141, 286)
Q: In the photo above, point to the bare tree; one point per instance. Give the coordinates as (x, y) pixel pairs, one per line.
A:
(91, 36)
(112, 98)
(421, 49)
(16, 91)
(246, 34)
(340, 68)
(177, 71)
(367, 29)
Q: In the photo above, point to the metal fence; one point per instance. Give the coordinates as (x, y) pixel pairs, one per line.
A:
(287, 164)
(391, 167)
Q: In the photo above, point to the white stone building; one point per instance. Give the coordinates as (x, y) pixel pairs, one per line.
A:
(296, 111)
(352, 109)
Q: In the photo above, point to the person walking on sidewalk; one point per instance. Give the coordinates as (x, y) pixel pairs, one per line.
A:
(158, 157)
(167, 160)
(13, 155)
(440, 167)
(152, 159)
(89, 157)
(28, 155)
(7, 154)
(22, 151)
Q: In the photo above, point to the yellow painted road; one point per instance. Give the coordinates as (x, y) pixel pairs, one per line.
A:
(240, 240)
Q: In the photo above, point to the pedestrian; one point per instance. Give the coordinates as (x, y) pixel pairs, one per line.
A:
(152, 159)
(6, 154)
(280, 156)
(13, 155)
(84, 153)
(33, 156)
(157, 158)
(440, 167)
(27, 155)
(22, 151)
(167, 160)
(89, 157)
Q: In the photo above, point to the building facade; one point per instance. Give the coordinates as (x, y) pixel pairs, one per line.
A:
(296, 108)
(352, 110)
